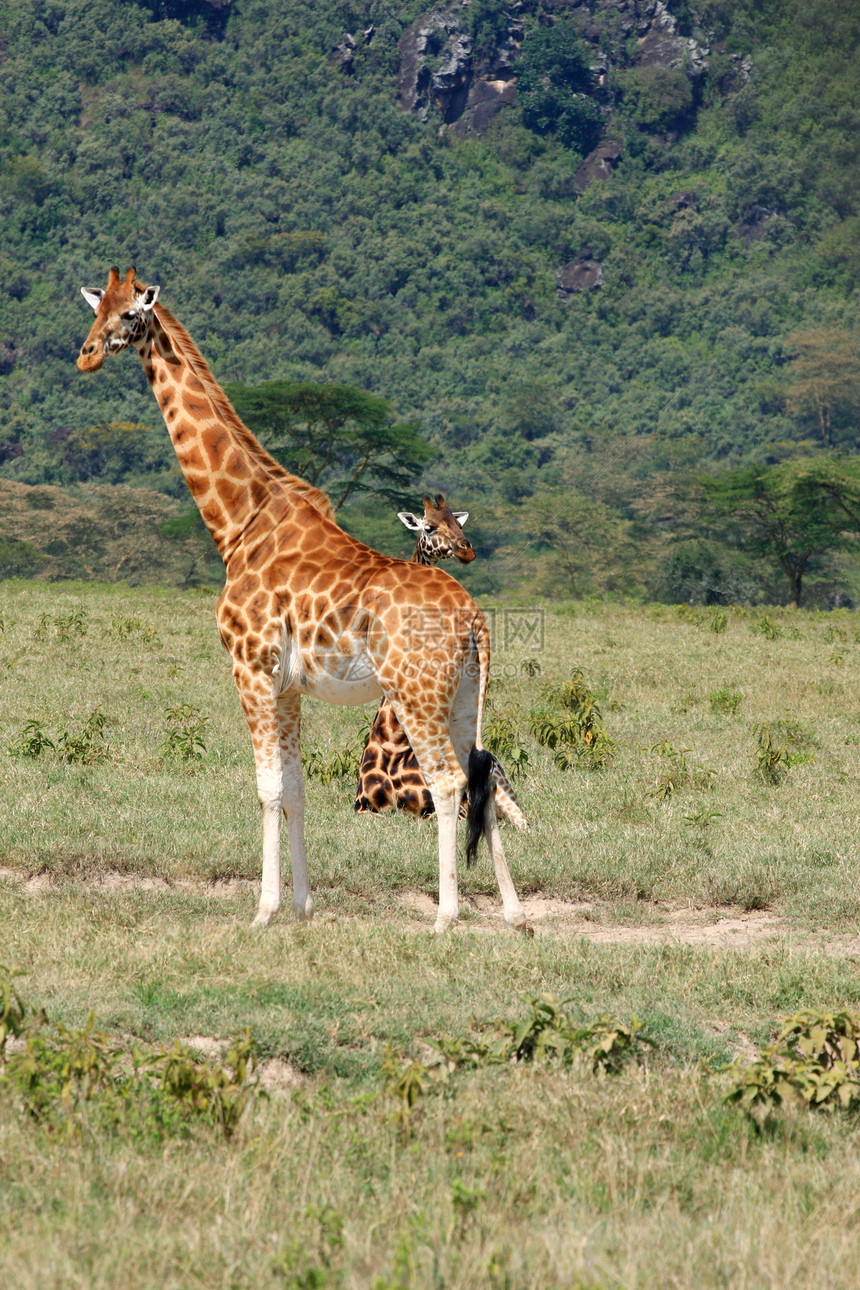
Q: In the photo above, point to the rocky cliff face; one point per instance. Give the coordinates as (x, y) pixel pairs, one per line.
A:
(438, 69)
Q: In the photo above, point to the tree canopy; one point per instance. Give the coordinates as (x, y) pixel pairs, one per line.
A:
(337, 437)
(791, 513)
(305, 228)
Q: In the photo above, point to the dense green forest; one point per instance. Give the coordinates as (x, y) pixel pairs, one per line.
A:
(577, 345)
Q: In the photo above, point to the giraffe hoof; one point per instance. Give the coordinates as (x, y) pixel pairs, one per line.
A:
(518, 924)
(264, 917)
(304, 912)
(444, 923)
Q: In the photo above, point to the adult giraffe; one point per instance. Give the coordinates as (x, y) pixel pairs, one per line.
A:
(389, 776)
(306, 609)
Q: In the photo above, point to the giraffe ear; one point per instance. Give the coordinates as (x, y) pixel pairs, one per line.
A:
(461, 517)
(411, 521)
(147, 298)
(93, 298)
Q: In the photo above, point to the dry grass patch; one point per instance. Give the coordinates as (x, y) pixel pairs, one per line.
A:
(707, 911)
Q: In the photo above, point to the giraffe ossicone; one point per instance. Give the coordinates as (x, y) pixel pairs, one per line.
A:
(389, 776)
(309, 611)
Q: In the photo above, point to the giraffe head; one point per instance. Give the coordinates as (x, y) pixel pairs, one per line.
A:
(440, 531)
(123, 311)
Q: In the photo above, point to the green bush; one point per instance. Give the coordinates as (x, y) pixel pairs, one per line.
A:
(82, 747)
(331, 767)
(813, 1062)
(658, 98)
(13, 1011)
(553, 84)
(69, 1080)
(676, 772)
(725, 700)
(549, 1033)
(87, 745)
(185, 725)
(574, 735)
(501, 734)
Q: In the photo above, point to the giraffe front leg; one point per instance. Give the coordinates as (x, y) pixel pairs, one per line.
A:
(261, 714)
(293, 801)
(447, 796)
(270, 793)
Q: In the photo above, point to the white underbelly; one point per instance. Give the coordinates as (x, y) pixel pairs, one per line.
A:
(348, 680)
(348, 692)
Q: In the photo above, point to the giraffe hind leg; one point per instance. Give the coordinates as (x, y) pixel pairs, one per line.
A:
(293, 801)
(482, 819)
(434, 751)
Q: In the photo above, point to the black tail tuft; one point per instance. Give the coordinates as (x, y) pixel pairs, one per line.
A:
(480, 789)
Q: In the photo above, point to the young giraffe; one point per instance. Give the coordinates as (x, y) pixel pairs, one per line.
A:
(389, 777)
(308, 610)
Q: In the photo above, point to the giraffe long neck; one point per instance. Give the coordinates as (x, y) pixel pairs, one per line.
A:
(230, 475)
(421, 556)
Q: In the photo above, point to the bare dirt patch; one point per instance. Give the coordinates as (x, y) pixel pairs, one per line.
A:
(714, 927)
(218, 888)
(129, 881)
(275, 1075)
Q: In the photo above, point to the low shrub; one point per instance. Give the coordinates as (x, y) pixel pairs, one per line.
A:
(74, 747)
(725, 700)
(813, 1062)
(183, 739)
(333, 766)
(549, 1033)
(69, 1080)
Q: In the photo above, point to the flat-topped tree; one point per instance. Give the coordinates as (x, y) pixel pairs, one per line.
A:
(308, 610)
(336, 436)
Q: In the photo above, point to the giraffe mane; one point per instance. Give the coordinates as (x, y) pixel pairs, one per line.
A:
(222, 405)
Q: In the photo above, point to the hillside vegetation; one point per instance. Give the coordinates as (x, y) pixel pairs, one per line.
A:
(308, 221)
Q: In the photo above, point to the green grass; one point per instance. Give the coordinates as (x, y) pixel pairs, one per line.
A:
(607, 834)
(505, 1176)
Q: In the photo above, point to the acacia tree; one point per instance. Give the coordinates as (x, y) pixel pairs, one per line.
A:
(336, 437)
(586, 544)
(825, 379)
(790, 513)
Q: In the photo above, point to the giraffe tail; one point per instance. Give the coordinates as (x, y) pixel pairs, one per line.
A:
(480, 790)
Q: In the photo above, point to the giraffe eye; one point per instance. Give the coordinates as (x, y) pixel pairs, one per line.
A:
(429, 528)
(129, 316)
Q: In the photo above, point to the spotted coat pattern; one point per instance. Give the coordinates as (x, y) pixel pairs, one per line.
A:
(308, 610)
(389, 776)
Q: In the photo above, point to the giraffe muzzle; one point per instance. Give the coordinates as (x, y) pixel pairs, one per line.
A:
(90, 358)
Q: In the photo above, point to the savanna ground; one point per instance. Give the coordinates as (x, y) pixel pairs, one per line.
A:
(677, 884)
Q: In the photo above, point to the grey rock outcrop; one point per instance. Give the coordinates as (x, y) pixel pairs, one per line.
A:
(599, 164)
(581, 274)
(752, 227)
(344, 52)
(438, 68)
(660, 41)
(435, 64)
